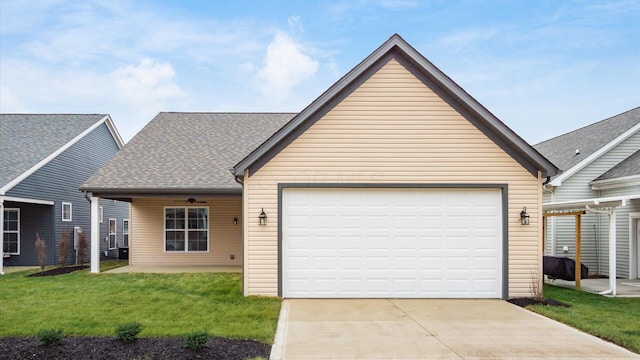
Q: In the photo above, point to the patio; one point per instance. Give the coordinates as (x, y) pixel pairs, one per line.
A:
(625, 287)
(176, 269)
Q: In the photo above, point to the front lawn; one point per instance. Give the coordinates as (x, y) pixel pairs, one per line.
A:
(165, 304)
(613, 319)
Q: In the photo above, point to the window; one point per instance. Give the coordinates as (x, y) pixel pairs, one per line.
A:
(66, 211)
(101, 214)
(112, 234)
(186, 229)
(125, 233)
(11, 232)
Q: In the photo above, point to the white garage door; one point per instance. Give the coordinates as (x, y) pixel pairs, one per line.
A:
(396, 243)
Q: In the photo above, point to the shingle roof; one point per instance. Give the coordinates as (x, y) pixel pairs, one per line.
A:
(561, 150)
(186, 151)
(628, 167)
(27, 139)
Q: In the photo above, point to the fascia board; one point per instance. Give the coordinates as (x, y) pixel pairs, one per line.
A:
(579, 166)
(114, 131)
(51, 156)
(616, 182)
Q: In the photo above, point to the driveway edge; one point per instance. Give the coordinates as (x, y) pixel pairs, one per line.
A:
(281, 332)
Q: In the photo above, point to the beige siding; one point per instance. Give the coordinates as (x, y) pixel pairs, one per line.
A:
(147, 233)
(392, 129)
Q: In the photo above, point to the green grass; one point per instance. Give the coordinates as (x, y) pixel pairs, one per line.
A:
(165, 304)
(612, 319)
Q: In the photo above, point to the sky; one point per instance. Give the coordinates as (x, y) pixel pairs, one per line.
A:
(542, 67)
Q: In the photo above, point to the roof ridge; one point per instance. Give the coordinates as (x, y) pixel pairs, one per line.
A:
(589, 125)
(64, 114)
(227, 112)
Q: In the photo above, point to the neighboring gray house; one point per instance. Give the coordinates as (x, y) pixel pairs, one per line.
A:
(600, 166)
(44, 160)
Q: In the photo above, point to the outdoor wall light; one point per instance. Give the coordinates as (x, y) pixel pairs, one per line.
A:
(524, 217)
(235, 221)
(262, 218)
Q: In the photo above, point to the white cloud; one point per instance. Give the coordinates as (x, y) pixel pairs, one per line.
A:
(286, 65)
(149, 82)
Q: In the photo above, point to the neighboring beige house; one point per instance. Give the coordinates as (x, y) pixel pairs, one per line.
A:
(393, 183)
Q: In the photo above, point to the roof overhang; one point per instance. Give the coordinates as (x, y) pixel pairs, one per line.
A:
(26, 200)
(130, 194)
(614, 183)
(586, 204)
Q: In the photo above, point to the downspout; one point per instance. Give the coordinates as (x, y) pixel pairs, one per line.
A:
(553, 219)
(237, 179)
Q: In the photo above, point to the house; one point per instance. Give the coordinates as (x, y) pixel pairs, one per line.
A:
(600, 168)
(44, 160)
(393, 183)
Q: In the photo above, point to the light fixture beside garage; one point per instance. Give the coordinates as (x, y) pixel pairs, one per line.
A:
(262, 218)
(235, 221)
(524, 217)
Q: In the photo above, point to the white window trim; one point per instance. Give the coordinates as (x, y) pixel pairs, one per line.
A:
(101, 214)
(186, 230)
(125, 233)
(12, 232)
(70, 211)
(114, 233)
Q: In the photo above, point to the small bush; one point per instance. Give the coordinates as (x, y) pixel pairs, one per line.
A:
(196, 340)
(128, 332)
(63, 247)
(41, 252)
(50, 337)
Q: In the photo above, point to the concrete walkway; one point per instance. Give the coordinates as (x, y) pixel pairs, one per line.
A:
(428, 329)
(624, 287)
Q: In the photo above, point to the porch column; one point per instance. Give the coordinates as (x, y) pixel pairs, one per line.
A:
(1, 235)
(95, 234)
(612, 250)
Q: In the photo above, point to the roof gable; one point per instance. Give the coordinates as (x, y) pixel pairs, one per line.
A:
(575, 150)
(29, 141)
(396, 48)
(185, 152)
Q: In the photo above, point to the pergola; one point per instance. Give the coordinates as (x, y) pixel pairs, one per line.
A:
(577, 208)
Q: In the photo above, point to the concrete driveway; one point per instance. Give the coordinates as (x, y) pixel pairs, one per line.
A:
(428, 329)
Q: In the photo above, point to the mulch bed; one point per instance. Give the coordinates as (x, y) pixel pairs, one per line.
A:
(94, 348)
(60, 271)
(526, 301)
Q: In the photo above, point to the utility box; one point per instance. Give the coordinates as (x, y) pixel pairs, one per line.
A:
(123, 253)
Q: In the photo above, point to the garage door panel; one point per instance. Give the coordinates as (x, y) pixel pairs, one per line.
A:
(391, 243)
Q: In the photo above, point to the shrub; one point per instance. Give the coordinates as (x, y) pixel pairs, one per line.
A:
(196, 340)
(128, 332)
(63, 247)
(50, 337)
(82, 247)
(41, 252)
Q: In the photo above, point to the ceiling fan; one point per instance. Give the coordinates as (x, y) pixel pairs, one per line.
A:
(192, 200)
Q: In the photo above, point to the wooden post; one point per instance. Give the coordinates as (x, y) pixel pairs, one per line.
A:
(578, 246)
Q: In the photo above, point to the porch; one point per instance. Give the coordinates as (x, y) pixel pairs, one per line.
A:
(158, 269)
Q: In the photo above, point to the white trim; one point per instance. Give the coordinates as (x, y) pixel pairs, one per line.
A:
(114, 234)
(125, 233)
(186, 230)
(616, 182)
(101, 214)
(11, 232)
(70, 212)
(579, 166)
(634, 241)
(604, 202)
(26, 200)
(46, 160)
(114, 131)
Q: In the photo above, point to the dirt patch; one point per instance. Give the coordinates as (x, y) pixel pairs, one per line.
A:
(96, 348)
(526, 301)
(60, 271)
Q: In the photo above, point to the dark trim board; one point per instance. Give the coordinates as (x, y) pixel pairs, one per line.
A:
(505, 214)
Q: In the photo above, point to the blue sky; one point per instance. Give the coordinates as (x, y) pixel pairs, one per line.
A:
(543, 67)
